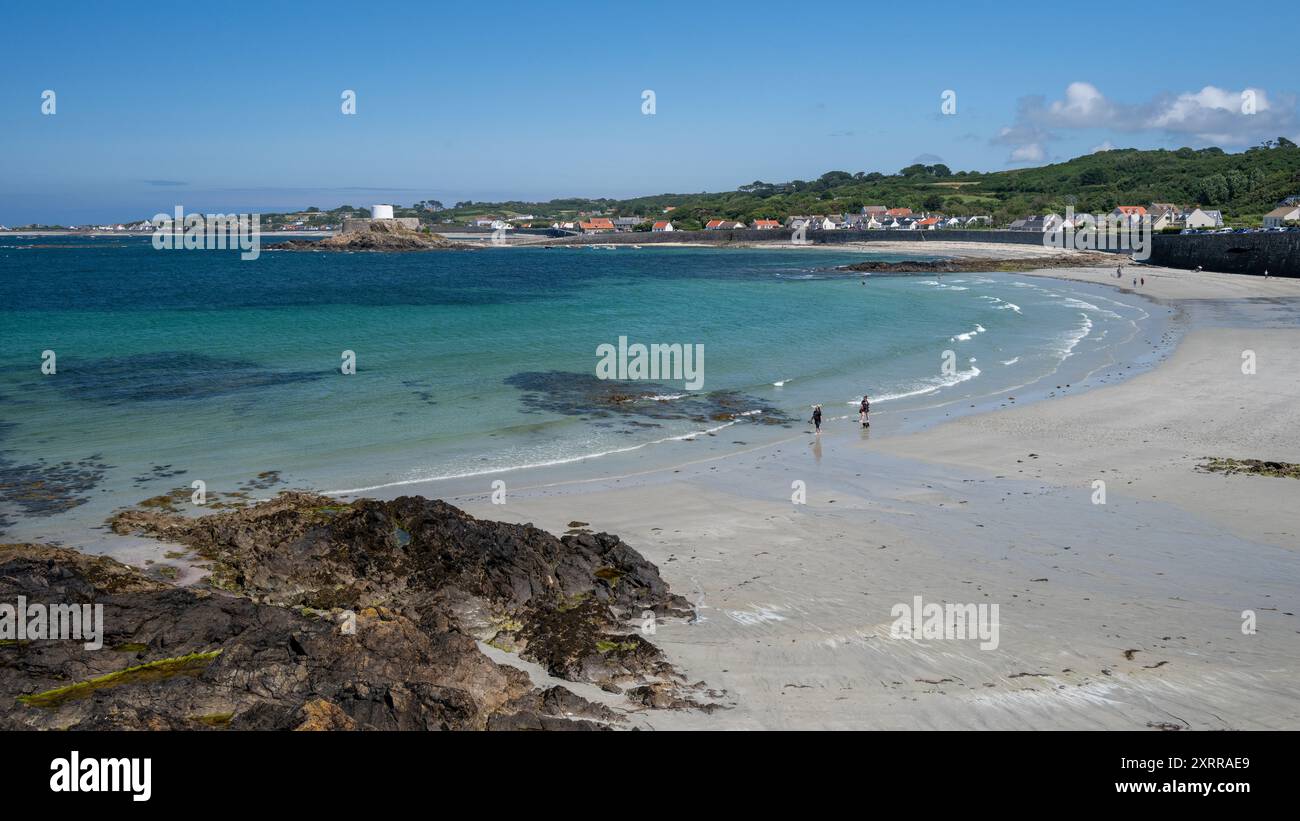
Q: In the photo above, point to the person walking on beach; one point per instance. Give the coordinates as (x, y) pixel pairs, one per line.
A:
(1144, 282)
(863, 410)
(817, 418)
(1135, 282)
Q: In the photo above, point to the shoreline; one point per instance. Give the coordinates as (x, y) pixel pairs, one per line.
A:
(918, 411)
(1114, 616)
(1120, 615)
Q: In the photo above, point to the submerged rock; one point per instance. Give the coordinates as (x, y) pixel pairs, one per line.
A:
(585, 395)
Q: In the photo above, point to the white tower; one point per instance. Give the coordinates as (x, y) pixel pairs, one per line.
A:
(381, 212)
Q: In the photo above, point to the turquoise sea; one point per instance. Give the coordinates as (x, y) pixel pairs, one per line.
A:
(173, 366)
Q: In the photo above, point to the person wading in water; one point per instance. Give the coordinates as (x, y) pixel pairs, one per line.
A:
(817, 418)
(863, 410)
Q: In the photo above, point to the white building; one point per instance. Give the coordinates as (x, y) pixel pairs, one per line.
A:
(1206, 219)
(381, 212)
(1281, 216)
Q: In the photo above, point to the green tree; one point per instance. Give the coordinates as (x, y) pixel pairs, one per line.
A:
(1213, 189)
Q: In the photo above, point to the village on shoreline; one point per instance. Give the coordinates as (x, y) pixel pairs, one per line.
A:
(1157, 217)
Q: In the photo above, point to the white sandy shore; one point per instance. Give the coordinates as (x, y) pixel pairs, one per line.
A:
(795, 601)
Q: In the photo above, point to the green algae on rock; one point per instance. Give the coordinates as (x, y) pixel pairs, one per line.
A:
(187, 665)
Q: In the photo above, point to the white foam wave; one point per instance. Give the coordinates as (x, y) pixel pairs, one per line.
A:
(1088, 306)
(969, 335)
(1071, 339)
(932, 386)
(545, 464)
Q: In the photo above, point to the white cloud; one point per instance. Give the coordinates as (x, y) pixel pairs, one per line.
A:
(1190, 109)
(1082, 107)
(1211, 116)
(1031, 152)
(1105, 146)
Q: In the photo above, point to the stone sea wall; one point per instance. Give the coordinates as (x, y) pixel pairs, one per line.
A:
(1278, 253)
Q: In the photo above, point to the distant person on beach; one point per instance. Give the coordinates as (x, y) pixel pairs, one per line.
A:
(863, 410)
(1135, 282)
(817, 418)
(1265, 273)
(1144, 282)
(1119, 272)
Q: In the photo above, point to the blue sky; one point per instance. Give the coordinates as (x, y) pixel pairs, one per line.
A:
(236, 107)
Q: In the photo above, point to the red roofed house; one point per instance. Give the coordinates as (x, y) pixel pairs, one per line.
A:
(767, 225)
(1131, 214)
(714, 225)
(928, 224)
(596, 225)
(662, 226)
(899, 212)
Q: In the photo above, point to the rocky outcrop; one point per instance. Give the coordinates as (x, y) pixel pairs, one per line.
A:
(322, 615)
(958, 265)
(380, 236)
(1254, 467)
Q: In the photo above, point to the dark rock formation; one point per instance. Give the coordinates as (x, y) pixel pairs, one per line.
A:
(381, 236)
(958, 265)
(1254, 467)
(272, 646)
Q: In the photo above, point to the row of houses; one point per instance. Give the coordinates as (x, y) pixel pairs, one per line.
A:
(605, 225)
(1158, 217)
(818, 222)
(142, 225)
(896, 219)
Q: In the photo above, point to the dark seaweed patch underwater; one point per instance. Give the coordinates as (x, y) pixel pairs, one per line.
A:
(580, 394)
(43, 489)
(167, 376)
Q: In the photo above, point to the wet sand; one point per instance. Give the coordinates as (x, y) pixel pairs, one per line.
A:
(1122, 615)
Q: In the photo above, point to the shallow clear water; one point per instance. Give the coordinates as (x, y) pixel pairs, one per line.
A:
(175, 365)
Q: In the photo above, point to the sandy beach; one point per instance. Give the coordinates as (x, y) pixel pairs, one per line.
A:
(1126, 614)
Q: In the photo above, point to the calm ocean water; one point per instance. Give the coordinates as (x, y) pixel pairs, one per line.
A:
(174, 366)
